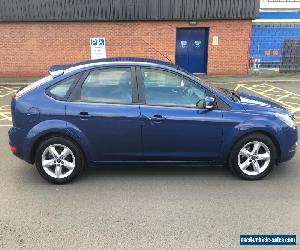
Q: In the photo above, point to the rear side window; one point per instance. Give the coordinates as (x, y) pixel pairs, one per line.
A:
(108, 86)
(61, 90)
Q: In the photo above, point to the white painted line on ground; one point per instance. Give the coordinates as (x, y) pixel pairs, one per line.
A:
(253, 81)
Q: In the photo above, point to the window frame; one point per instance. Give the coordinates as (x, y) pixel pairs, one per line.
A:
(69, 92)
(76, 94)
(141, 86)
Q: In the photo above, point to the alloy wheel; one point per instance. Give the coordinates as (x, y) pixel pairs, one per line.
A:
(58, 161)
(254, 158)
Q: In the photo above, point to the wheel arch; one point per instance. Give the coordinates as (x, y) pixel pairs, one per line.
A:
(46, 136)
(268, 134)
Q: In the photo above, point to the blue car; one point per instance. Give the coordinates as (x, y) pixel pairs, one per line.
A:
(137, 111)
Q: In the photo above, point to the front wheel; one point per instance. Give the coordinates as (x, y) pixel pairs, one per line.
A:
(253, 157)
(59, 160)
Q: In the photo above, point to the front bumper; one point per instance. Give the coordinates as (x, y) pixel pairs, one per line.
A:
(288, 144)
(291, 153)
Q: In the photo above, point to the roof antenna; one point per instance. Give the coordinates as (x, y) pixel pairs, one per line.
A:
(157, 51)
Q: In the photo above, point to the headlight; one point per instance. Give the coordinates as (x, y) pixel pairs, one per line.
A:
(287, 119)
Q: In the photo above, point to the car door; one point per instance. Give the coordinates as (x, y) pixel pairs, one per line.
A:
(104, 111)
(174, 128)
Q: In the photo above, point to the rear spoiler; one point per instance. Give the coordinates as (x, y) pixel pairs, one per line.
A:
(58, 70)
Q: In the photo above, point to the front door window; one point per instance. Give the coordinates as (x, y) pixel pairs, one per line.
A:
(167, 89)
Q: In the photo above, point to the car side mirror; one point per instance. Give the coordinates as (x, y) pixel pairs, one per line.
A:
(209, 103)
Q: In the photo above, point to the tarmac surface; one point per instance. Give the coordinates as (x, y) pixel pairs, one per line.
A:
(147, 207)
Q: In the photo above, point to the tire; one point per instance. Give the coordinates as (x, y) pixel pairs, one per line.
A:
(59, 160)
(253, 157)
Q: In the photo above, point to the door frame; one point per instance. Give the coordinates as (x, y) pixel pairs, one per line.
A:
(220, 104)
(75, 95)
(219, 108)
(75, 99)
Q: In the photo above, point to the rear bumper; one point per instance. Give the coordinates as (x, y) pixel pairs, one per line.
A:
(17, 138)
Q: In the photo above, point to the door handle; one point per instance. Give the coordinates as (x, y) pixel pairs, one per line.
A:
(157, 118)
(84, 115)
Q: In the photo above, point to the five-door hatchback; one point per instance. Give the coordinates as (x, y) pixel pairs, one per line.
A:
(131, 110)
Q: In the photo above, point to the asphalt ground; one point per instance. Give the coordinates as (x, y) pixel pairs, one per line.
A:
(147, 207)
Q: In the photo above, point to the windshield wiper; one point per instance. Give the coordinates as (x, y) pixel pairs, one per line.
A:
(232, 94)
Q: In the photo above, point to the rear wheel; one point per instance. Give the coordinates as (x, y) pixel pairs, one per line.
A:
(59, 160)
(253, 157)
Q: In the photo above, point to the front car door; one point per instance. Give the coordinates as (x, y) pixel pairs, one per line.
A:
(174, 128)
(104, 111)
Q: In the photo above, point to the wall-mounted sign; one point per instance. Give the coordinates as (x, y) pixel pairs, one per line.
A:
(198, 44)
(215, 41)
(183, 44)
(98, 50)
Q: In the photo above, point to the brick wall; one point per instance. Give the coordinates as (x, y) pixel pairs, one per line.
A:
(28, 49)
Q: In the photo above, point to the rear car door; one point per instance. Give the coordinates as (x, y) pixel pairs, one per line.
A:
(103, 110)
(174, 128)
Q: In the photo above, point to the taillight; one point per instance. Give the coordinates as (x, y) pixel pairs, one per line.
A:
(13, 149)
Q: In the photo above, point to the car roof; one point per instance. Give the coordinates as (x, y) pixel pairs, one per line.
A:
(58, 70)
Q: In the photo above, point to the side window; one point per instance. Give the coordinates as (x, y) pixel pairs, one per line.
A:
(62, 89)
(108, 86)
(167, 89)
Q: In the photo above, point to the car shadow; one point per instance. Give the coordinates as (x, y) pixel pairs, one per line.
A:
(148, 172)
(104, 172)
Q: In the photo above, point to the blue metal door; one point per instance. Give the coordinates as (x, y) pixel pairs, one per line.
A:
(191, 49)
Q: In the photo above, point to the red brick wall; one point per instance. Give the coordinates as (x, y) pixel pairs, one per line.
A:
(28, 49)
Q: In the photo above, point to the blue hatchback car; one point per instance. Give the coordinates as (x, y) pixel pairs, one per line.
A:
(131, 110)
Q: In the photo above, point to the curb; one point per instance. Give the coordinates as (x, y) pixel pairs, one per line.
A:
(14, 84)
(253, 81)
